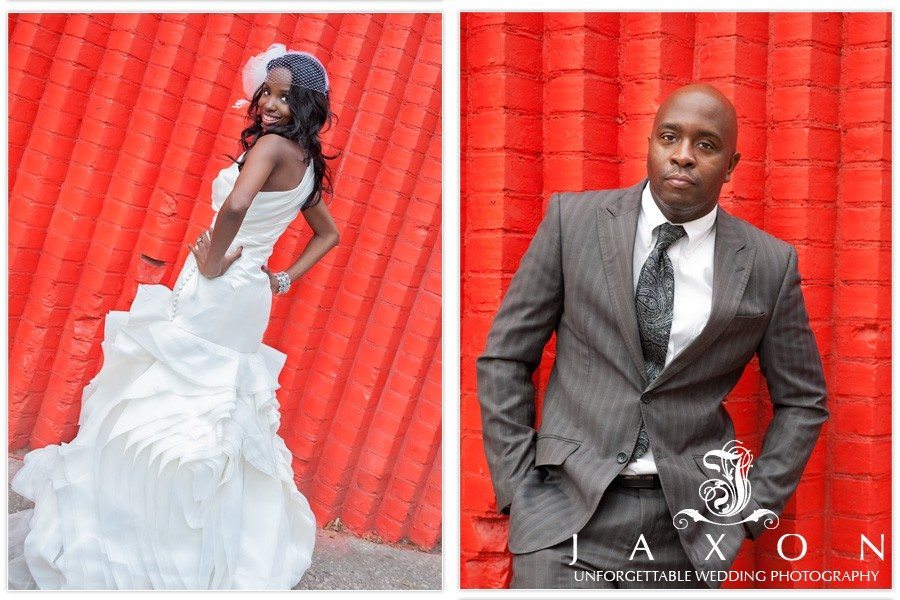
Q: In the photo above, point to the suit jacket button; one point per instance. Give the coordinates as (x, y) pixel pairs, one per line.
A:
(622, 457)
(646, 399)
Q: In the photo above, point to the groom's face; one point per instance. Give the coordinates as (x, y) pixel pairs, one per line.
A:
(691, 152)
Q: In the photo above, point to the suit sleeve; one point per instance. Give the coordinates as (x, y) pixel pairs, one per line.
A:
(790, 362)
(528, 315)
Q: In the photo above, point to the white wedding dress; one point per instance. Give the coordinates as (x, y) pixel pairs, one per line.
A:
(177, 478)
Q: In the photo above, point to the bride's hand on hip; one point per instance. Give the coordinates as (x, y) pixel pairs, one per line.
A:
(208, 267)
(273, 281)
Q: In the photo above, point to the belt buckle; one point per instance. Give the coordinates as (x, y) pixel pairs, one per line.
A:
(638, 481)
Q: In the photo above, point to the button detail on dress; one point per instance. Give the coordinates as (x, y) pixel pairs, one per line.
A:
(622, 457)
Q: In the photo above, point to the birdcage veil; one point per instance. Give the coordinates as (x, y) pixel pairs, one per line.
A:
(306, 70)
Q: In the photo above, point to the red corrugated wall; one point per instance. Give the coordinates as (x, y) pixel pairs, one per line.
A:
(118, 124)
(556, 102)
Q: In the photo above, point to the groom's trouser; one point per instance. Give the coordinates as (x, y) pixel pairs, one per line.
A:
(605, 544)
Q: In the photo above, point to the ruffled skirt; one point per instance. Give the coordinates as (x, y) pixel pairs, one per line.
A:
(177, 478)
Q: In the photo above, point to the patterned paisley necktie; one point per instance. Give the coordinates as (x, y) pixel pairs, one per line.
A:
(653, 302)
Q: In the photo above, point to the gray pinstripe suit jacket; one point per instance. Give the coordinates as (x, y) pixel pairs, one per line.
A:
(576, 280)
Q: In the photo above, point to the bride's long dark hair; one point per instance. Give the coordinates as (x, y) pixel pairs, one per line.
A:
(310, 116)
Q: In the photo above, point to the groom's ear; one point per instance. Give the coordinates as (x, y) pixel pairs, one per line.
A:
(735, 159)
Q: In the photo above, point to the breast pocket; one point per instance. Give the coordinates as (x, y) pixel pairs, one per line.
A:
(748, 321)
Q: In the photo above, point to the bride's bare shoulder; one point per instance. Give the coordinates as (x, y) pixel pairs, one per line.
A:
(277, 148)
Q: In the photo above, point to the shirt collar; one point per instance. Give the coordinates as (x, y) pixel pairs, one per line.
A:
(696, 230)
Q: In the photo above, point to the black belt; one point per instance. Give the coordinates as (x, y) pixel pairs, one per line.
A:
(637, 481)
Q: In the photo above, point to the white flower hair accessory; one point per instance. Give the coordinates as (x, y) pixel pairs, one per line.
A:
(306, 71)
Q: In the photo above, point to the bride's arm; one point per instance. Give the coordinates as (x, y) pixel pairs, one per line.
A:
(210, 249)
(325, 237)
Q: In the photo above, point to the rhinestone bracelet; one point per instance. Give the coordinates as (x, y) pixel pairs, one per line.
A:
(284, 282)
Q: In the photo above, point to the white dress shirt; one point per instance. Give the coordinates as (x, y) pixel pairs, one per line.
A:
(692, 262)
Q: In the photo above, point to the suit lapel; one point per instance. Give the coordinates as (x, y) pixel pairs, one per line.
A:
(733, 259)
(617, 223)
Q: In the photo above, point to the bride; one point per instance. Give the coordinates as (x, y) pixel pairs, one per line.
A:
(177, 478)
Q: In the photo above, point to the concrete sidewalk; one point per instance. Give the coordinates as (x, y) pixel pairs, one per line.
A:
(340, 561)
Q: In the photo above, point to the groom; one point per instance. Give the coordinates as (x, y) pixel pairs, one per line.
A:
(659, 299)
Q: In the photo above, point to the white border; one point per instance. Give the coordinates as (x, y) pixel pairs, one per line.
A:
(450, 236)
